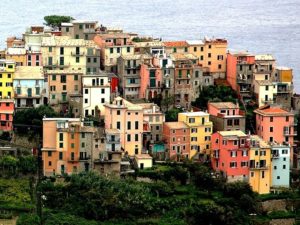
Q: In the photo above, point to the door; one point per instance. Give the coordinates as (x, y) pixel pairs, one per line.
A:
(142, 166)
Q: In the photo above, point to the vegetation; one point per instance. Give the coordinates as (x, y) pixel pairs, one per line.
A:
(32, 119)
(56, 20)
(178, 194)
(14, 166)
(172, 114)
(216, 94)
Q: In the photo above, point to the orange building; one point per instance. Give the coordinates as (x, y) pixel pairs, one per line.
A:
(176, 47)
(67, 146)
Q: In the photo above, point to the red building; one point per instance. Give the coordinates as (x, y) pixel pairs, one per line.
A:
(230, 154)
(6, 114)
(177, 138)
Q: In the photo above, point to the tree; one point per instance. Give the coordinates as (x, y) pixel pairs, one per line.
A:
(56, 20)
(166, 102)
(172, 114)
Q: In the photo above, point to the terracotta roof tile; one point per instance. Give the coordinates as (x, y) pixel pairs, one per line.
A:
(175, 43)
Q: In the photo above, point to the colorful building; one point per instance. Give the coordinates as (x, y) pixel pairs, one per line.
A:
(61, 85)
(128, 119)
(200, 132)
(62, 52)
(96, 92)
(80, 29)
(17, 54)
(260, 165)
(230, 155)
(264, 92)
(176, 47)
(112, 47)
(29, 87)
(7, 70)
(6, 114)
(176, 136)
(280, 166)
(67, 146)
(215, 57)
(226, 116)
(239, 72)
(276, 125)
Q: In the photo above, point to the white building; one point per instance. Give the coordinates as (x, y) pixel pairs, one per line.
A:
(264, 92)
(96, 92)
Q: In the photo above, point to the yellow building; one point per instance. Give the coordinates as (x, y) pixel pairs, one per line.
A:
(62, 52)
(200, 132)
(260, 165)
(16, 54)
(284, 74)
(7, 69)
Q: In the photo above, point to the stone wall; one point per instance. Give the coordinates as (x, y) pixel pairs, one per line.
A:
(283, 222)
(274, 205)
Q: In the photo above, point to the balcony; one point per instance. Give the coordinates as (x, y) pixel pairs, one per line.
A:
(284, 89)
(110, 140)
(77, 53)
(84, 158)
(216, 156)
(243, 81)
(89, 30)
(259, 167)
(132, 67)
(289, 133)
(275, 156)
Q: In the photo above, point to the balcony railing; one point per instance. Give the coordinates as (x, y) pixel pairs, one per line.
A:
(259, 167)
(275, 156)
(73, 159)
(116, 140)
(243, 81)
(77, 53)
(84, 158)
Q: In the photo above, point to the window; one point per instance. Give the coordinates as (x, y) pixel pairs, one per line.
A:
(136, 137)
(256, 152)
(233, 153)
(49, 154)
(271, 139)
(63, 79)
(209, 55)
(60, 155)
(111, 50)
(118, 125)
(77, 59)
(245, 153)
(191, 120)
(64, 87)
(235, 142)
(77, 36)
(271, 119)
(72, 145)
(271, 129)
(80, 26)
(220, 57)
(193, 138)
(262, 174)
(283, 166)
(278, 177)
(128, 137)
(233, 164)
(82, 135)
(284, 151)
(128, 49)
(252, 174)
(236, 122)
(219, 66)
(128, 125)
(61, 137)
(82, 145)
(174, 50)
(287, 119)
(244, 164)
(61, 145)
(49, 163)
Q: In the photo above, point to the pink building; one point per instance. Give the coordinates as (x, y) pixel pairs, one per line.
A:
(177, 138)
(239, 72)
(226, 116)
(230, 154)
(274, 124)
(34, 58)
(6, 114)
(151, 81)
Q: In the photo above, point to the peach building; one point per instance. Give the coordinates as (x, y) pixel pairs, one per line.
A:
(62, 84)
(226, 116)
(18, 55)
(176, 47)
(239, 72)
(128, 119)
(177, 140)
(67, 146)
(276, 125)
(112, 47)
(231, 154)
(215, 57)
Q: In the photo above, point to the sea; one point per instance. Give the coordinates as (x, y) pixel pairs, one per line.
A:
(258, 26)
